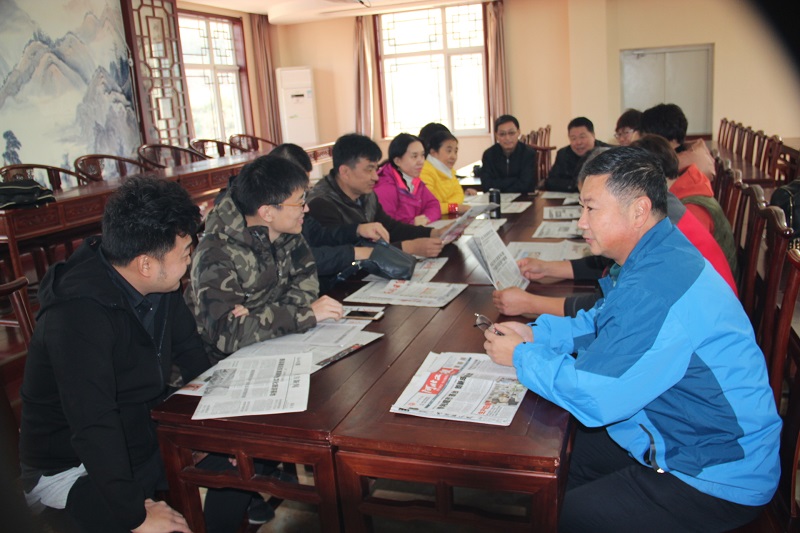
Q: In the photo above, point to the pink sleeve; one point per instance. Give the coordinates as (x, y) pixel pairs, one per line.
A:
(386, 191)
(430, 205)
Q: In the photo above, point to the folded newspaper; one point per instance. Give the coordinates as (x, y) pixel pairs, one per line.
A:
(462, 386)
(496, 259)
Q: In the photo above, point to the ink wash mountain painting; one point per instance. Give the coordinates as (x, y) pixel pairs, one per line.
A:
(65, 85)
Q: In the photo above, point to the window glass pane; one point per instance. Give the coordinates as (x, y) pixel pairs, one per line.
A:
(222, 42)
(464, 26)
(202, 101)
(416, 92)
(469, 97)
(228, 83)
(412, 31)
(194, 41)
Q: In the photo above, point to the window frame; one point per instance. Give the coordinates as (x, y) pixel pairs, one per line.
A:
(240, 59)
(447, 54)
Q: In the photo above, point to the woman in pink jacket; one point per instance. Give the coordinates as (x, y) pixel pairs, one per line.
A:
(401, 193)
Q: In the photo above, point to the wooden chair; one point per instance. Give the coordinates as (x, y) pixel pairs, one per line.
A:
(778, 236)
(741, 140)
(724, 131)
(17, 293)
(94, 166)
(753, 202)
(168, 156)
(769, 161)
(55, 176)
(749, 145)
(213, 147)
(759, 144)
(734, 196)
(251, 143)
(544, 153)
(782, 366)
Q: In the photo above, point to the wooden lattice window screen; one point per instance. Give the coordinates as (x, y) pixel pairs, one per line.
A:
(152, 32)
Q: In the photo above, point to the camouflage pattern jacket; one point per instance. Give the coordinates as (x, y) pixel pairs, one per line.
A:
(236, 264)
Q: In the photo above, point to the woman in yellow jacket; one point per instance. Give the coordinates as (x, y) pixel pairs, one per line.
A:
(439, 176)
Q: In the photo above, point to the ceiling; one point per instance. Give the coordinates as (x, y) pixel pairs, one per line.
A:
(294, 11)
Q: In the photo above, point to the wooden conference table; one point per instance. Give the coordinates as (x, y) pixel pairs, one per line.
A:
(349, 437)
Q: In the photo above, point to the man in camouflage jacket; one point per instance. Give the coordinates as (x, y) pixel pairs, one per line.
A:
(253, 275)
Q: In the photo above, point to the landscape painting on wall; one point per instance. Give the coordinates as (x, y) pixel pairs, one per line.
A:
(65, 85)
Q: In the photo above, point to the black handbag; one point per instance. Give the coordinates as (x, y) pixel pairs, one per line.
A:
(23, 193)
(386, 261)
(787, 198)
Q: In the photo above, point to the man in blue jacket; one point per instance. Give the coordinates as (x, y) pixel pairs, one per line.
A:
(679, 429)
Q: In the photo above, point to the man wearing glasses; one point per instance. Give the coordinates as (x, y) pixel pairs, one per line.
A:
(253, 275)
(563, 175)
(508, 165)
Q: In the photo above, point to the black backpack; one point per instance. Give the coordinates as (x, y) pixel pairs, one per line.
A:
(23, 193)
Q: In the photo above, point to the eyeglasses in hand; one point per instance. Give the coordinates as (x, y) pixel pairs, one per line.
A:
(483, 323)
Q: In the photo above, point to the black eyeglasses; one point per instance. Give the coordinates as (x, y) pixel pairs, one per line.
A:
(483, 323)
(301, 203)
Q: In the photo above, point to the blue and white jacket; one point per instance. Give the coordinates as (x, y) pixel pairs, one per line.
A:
(668, 363)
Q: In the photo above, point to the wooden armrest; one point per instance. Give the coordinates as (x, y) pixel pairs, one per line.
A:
(543, 148)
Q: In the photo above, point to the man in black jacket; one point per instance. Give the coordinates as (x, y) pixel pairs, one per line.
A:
(509, 164)
(112, 323)
(563, 175)
(345, 196)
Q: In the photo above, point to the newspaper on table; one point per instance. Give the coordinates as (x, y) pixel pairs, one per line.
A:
(497, 260)
(256, 386)
(514, 207)
(425, 270)
(348, 334)
(571, 212)
(568, 197)
(461, 223)
(462, 386)
(557, 230)
(478, 224)
(549, 251)
(401, 292)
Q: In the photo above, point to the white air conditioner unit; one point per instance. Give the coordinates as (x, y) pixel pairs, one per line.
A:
(296, 100)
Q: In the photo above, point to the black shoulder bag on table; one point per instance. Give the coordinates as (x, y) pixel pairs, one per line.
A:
(386, 261)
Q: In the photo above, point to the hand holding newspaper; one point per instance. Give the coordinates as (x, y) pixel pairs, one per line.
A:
(462, 386)
(497, 260)
(457, 228)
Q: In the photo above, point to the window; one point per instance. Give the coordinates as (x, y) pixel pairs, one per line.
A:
(216, 77)
(432, 69)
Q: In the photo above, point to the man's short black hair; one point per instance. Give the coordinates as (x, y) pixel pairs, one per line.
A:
(502, 119)
(268, 180)
(578, 122)
(351, 147)
(144, 216)
(632, 172)
(667, 120)
(660, 147)
(294, 153)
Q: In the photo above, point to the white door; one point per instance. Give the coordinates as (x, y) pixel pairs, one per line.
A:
(678, 75)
